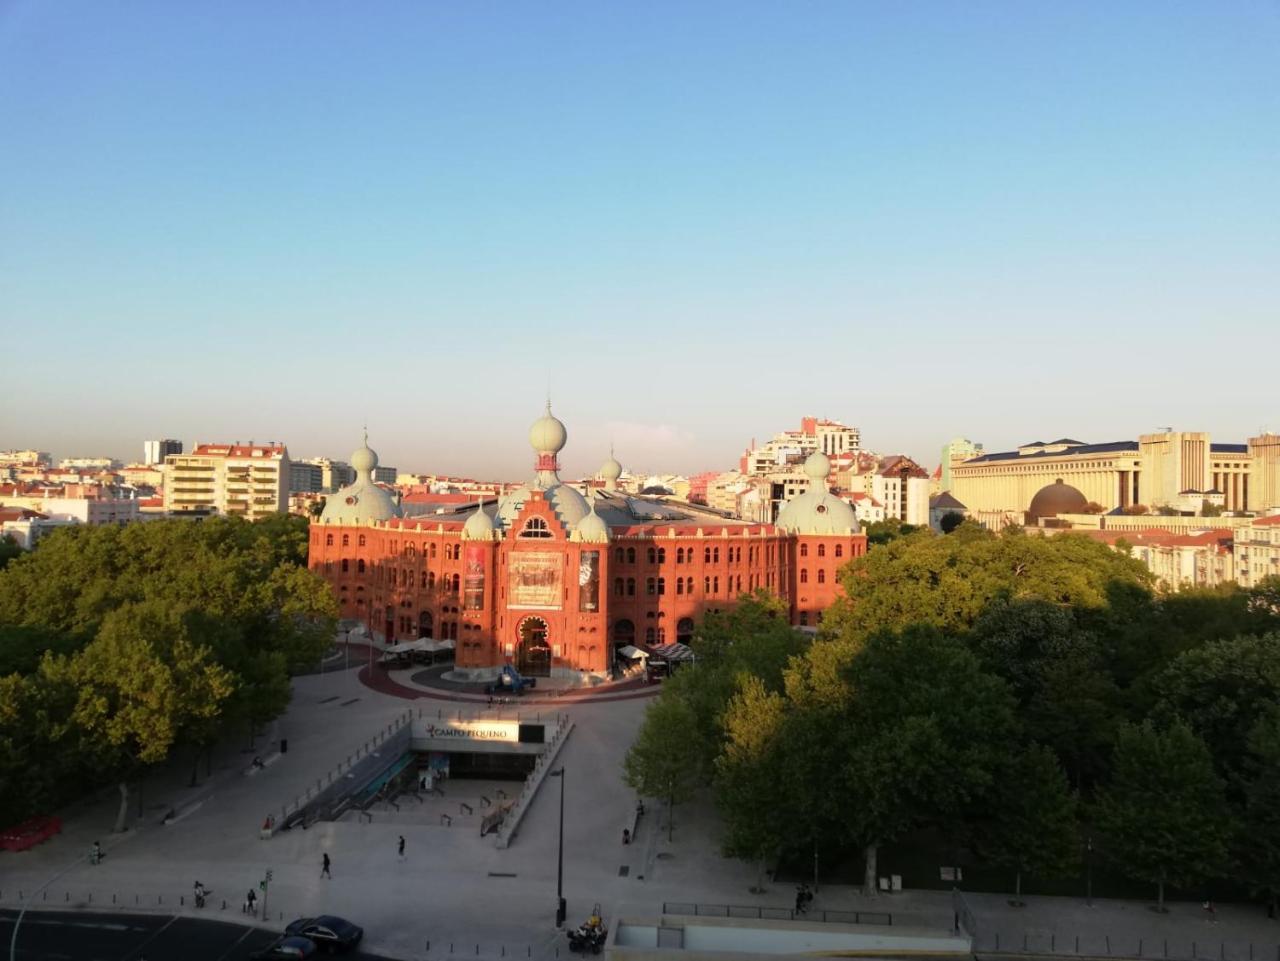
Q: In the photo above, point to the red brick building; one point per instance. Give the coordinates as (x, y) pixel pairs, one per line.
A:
(550, 580)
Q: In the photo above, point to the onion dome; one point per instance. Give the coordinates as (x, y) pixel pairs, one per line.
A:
(1054, 499)
(479, 526)
(817, 510)
(592, 529)
(547, 435)
(611, 470)
(361, 501)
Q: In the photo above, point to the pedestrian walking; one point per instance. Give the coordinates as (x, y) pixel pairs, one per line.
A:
(250, 903)
(401, 847)
(324, 868)
(1210, 911)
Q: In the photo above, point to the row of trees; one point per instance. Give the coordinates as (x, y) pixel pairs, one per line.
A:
(122, 645)
(1012, 694)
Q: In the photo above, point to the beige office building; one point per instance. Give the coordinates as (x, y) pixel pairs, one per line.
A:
(1169, 469)
(241, 480)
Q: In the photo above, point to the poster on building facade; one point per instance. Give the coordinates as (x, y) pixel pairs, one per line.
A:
(473, 579)
(589, 581)
(535, 581)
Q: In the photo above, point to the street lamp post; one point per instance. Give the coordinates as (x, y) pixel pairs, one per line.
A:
(560, 905)
(1088, 870)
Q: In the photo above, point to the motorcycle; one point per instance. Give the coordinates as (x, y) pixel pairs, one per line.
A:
(589, 936)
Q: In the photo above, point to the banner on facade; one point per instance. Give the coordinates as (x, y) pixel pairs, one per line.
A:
(473, 579)
(535, 581)
(589, 581)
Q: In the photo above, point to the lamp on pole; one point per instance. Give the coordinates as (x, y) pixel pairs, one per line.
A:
(560, 905)
(1088, 870)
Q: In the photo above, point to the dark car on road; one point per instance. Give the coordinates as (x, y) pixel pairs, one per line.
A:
(286, 949)
(328, 932)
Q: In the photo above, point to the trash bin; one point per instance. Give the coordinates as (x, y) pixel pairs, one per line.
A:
(284, 746)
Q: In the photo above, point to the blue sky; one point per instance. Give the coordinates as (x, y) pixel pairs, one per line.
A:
(695, 222)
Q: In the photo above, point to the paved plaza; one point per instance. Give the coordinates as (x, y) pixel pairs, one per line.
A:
(454, 894)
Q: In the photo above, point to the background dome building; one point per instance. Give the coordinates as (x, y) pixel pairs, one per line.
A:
(552, 583)
(1054, 499)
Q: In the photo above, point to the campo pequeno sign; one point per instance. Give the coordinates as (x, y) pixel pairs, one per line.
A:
(477, 730)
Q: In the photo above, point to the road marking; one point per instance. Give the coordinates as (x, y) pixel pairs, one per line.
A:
(103, 925)
(227, 953)
(137, 952)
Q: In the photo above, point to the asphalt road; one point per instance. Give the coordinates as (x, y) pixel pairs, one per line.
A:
(80, 936)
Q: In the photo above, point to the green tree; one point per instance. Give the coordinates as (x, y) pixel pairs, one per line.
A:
(890, 529)
(916, 734)
(948, 582)
(1258, 843)
(1222, 690)
(750, 790)
(666, 760)
(138, 691)
(1029, 824)
(950, 521)
(9, 550)
(1208, 509)
(1163, 816)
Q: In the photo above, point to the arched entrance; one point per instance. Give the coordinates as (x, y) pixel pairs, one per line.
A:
(533, 653)
(684, 630)
(424, 624)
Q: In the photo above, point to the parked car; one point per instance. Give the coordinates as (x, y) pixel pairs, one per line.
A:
(328, 932)
(286, 948)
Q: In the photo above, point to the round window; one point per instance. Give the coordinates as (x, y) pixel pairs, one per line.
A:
(352, 499)
(821, 508)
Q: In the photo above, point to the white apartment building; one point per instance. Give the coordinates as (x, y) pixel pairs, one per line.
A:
(91, 510)
(1257, 551)
(243, 480)
(902, 486)
(790, 448)
(25, 458)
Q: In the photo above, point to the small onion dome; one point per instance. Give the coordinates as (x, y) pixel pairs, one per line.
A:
(362, 500)
(818, 466)
(592, 529)
(547, 435)
(817, 510)
(479, 526)
(611, 470)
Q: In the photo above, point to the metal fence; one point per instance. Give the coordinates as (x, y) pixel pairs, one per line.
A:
(762, 913)
(996, 944)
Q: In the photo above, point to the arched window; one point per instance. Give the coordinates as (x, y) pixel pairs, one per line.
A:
(649, 634)
(804, 618)
(624, 633)
(360, 540)
(433, 550)
(631, 587)
(424, 580)
(328, 540)
(653, 555)
(410, 550)
(684, 630)
(689, 587)
(618, 587)
(662, 555)
(804, 575)
(715, 555)
(839, 550)
(345, 565)
(804, 550)
(715, 585)
(662, 635)
(679, 555)
(424, 624)
(822, 550)
(706, 585)
(650, 586)
(662, 585)
(822, 576)
(631, 555)
(679, 585)
(706, 555)
(431, 578)
(360, 566)
(346, 540)
(618, 555)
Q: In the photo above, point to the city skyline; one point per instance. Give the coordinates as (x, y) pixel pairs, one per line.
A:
(692, 225)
